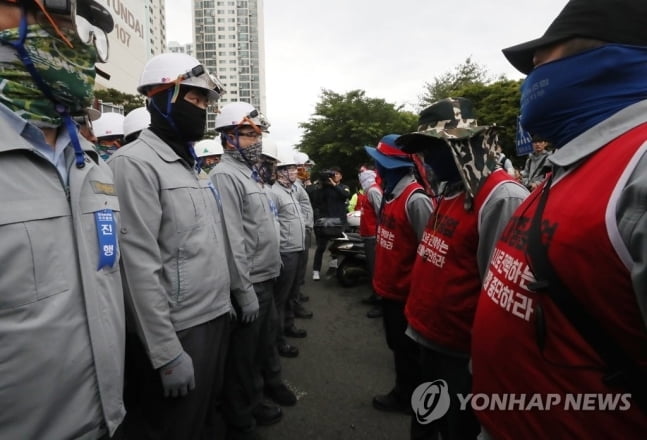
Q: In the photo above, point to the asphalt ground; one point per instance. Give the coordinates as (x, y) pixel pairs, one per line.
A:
(342, 364)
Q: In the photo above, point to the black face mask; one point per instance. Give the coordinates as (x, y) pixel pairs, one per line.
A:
(442, 163)
(185, 122)
(188, 123)
(190, 120)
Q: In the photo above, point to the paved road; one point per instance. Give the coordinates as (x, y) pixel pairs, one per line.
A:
(343, 362)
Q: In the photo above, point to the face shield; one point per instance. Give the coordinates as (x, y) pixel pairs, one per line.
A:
(197, 76)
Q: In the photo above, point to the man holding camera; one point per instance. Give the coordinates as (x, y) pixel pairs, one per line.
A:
(328, 201)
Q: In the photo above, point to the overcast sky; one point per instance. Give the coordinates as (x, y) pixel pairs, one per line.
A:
(389, 48)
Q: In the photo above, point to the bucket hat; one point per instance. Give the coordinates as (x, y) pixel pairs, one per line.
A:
(388, 154)
(613, 21)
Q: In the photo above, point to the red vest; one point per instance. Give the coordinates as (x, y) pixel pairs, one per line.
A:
(368, 220)
(395, 248)
(587, 253)
(445, 281)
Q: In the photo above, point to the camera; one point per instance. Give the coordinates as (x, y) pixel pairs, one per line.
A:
(324, 175)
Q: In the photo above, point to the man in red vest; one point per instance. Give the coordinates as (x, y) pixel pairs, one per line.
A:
(404, 213)
(474, 205)
(561, 318)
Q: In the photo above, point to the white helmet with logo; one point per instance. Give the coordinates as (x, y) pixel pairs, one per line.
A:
(170, 69)
(270, 149)
(136, 120)
(286, 156)
(207, 147)
(109, 124)
(240, 113)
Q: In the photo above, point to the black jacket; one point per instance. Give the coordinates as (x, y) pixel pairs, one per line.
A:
(330, 201)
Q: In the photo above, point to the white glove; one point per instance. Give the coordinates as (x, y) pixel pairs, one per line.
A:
(177, 376)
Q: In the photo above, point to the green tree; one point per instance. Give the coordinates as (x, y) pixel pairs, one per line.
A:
(446, 84)
(342, 124)
(496, 101)
(114, 96)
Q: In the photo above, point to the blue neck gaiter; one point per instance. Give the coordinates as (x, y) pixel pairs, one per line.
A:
(563, 98)
(391, 176)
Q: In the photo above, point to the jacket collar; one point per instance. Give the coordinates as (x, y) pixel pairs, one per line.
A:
(19, 134)
(599, 135)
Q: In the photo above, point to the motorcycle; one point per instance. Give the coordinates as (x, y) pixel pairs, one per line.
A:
(352, 267)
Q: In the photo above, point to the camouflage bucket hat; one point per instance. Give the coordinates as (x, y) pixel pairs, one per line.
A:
(450, 124)
(449, 118)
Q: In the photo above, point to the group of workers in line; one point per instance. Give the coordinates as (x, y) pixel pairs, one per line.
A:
(139, 294)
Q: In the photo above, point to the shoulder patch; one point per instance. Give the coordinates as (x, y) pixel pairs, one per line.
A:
(103, 188)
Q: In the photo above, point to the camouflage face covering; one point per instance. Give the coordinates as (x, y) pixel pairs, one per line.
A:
(475, 158)
(451, 122)
(69, 72)
(252, 153)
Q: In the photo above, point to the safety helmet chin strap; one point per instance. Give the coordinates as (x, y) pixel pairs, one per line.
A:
(171, 97)
(60, 108)
(236, 144)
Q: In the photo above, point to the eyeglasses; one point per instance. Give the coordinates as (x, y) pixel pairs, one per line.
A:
(251, 134)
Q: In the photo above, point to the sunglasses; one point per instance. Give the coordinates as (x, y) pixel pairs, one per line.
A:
(251, 135)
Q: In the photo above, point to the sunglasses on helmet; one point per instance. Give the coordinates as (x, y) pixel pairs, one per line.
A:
(91, 21)
(211, 83)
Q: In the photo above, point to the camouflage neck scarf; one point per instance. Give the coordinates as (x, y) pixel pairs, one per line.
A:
(69, 72)
(252, 153)
(286, 177)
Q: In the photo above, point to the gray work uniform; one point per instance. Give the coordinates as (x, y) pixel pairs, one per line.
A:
(292, 244)
(251, 226)
(308, 214)
(172, 244)
(177, 282)
(61, 318)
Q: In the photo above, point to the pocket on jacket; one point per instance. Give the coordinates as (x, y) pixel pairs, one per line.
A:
(32, 261)
(187, 206)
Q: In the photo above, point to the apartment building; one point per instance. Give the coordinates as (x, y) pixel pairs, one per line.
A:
(228, 38)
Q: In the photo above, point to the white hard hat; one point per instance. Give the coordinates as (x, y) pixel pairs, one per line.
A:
(136, 120)
(270, 149)
(300, 158)
(173, 68)
(240, 113)
(286, 156)
(207, 147)
(109, 124)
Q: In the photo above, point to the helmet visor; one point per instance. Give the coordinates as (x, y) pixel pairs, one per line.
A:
(88, 19)
(198, 76)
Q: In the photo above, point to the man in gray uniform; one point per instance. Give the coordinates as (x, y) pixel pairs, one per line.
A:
(250, 221)
(175, 261)
(61, 302)
(292, 225)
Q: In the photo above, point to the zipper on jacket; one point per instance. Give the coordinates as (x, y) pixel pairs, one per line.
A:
(177, 272)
